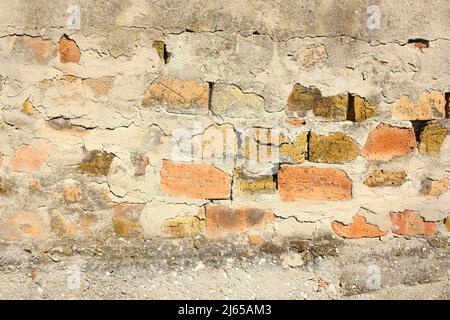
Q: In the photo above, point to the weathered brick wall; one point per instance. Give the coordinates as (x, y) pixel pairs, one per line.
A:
(220, 118)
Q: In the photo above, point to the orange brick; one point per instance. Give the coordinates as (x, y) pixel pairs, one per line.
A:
(178, 96)
(409, 223)
(42, 49)
(221, 221)
(198, 181)
(386, 142)
(27, 158)
(296, 122)
(310, 183)
(430, 105)
(358, 229)
(22, 225)
(68, 50)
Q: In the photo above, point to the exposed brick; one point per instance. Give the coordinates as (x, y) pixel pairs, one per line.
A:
(256, 184)
(72, 194)
(410, 223)
(125, 220)
(309, 183)
(221, 221)
(431, 105)
(99, 86)
(386, 142)
(198, 181)
(303, 99)
(185, 226)
(334, 148)
(62, 227)
(295, 151)
(263, 145)
(358, 229)
(68, 50)
(230, 101)
(42, 49)
(33, 49)
(363, 109)
(97, 163)
(385, 178)
(418, 44)
(434, 188)
(431, 138)
(178, 96)
(22, 225)
(296, 122)
(332, 108)
(27, 158)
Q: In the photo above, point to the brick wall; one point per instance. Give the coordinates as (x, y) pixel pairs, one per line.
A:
(189, 118)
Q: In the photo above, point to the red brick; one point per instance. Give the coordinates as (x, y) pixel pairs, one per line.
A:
(386, 142)
(358, 229)
(310, 183)
(221, 221)
(198, 181)
(410, 223)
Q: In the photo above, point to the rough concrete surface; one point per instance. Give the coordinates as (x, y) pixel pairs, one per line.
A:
(275, 149)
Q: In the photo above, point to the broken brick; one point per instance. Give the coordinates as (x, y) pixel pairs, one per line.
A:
(431, 105)
(410, 223)
(194, 180)
(97, 163)
(303, 99)
(358, 229)
(385, 178)
(222, 221)
(184, 226)
(309, 183)
(386, 142)
(27, 158)
(68, 50)
(333, 148)
(431, 138)
(22, 225)
(178, 96)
